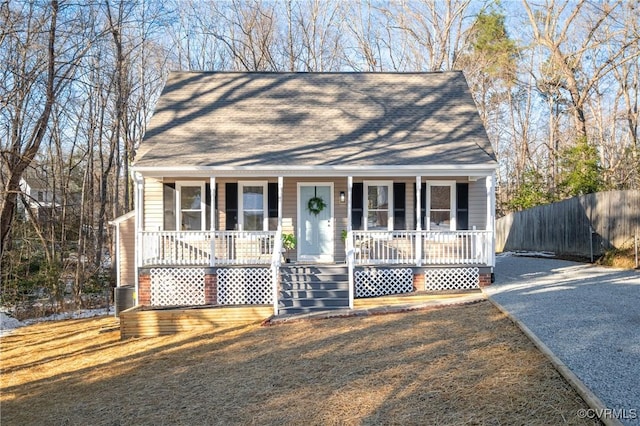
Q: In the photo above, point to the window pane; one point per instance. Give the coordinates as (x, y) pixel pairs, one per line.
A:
(377, 219)
(253, 208)
(440, 220)
(441, 197)
(252, 198)
(253, 221)
(190, 197)
(377, 207)
(191, 221)
(378, 197)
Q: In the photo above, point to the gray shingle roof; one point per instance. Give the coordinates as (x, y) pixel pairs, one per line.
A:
(315, 119)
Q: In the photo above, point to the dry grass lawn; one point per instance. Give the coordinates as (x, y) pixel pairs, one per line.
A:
(458, 365)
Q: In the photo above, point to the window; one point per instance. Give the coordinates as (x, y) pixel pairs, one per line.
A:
(191, 206)
(441, 206)
(186, 206)
(378, 204)
(252, 197)
(169, 206)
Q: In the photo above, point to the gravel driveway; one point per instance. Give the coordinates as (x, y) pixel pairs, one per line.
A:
(588, 316)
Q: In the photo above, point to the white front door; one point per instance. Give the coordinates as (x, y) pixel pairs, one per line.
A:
(315, 228)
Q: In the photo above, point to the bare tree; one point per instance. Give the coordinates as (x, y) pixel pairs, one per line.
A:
(436, 30)
(320, 30)
(570, 41)
(250, 34)
(32, 49)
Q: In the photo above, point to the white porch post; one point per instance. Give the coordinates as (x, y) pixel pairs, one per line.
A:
(491, 217)
(419, 220)
(212, 219)
(280, 192)
(275, 266)
(349, 202)
(139, 206)
(349, 240)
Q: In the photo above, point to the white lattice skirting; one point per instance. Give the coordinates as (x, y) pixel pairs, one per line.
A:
(177, 286)
(380, 282)
(244, 286)
(451, 279)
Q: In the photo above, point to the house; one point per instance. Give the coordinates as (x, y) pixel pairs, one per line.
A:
(386, 180)
(37, 196)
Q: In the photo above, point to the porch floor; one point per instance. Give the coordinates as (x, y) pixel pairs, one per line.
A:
(139, 322)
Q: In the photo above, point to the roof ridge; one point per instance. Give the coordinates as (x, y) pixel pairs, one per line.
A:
(318, 72)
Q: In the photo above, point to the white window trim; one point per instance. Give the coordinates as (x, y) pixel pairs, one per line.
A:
(365, 202)
(203, 211)
(452, 187)
(265, 202)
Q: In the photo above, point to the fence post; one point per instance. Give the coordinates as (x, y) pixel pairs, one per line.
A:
(591, 242)
(635, 244)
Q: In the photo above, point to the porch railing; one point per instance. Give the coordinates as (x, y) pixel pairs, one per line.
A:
(365, 247)
(196, 247)
(422, 247)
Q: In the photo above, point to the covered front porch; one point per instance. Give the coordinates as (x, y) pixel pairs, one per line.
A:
(230, 268)
(222, 240)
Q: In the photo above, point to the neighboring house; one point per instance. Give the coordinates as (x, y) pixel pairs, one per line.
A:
(38, 196)
(385, 179)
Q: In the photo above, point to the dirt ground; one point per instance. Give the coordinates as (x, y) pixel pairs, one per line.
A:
(456, 365)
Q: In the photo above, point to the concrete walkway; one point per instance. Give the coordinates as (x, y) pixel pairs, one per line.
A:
(588, 316)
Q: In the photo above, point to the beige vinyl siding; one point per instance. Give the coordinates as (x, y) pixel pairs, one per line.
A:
(222, 199)
(153, 210)
(478, 204)
(126, 251)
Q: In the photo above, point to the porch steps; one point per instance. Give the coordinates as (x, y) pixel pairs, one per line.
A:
(313, 288)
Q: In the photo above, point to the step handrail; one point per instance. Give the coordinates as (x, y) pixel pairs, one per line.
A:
(276, 262)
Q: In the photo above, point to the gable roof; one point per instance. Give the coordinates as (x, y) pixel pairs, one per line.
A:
(36, 177)
(220, 120)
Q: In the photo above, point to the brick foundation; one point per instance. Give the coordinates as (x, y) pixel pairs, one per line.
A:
(144, 288)
(211, 288)
(418, 281)
(484, 280)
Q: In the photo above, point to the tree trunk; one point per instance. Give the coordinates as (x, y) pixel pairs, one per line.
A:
(20, 160)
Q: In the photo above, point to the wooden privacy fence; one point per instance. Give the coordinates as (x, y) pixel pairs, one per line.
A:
(582, 226)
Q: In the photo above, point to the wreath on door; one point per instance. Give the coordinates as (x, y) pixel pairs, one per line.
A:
(316, 205)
